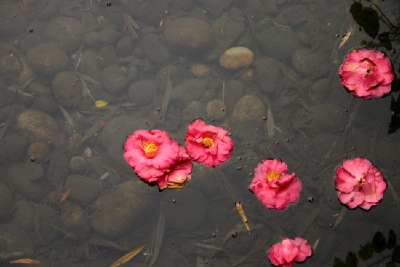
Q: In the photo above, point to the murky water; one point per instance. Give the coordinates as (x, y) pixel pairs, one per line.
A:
(77, 77)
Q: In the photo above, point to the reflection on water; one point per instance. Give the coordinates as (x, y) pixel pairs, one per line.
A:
(67, 197)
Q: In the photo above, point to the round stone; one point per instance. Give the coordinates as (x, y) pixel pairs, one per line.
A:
(188, 35)
(248, 108)
(38, 151)
(216, 109)
(66, 32)
(236, 58)
(67, 89)
(200, 70)
(39, 124)
(150, 11)
(83, 189)
(47, 59)
(116, 212)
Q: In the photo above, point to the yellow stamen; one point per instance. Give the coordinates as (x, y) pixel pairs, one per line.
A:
(207, 142)
(273, 175)
(150, 149)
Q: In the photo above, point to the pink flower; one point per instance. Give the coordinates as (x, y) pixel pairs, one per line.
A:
(208, 144)
(289, 251)
(367, 73)
(273, 186)
(156, 158)
(149, 153)
(359, 183)
(177, 175)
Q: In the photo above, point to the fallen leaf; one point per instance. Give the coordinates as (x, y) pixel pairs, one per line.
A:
(240, 210)
(25, 261)
(127, 257)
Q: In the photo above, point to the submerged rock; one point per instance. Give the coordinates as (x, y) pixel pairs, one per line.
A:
(310, 63)
(14, 244)
(66, 32)
(113, 79)
(47, 59)
(67, 89)
(27, 179)
(278, 42)
(116, 212)
(249, 107)
(236, 58)
(188, 35)
(83, 189)
(216, 109)
(74, 221)
(37, 123)
(150, 11)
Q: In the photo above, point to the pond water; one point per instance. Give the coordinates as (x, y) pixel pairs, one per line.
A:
(77, 77)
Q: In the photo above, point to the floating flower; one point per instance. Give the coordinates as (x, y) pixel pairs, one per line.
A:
(289, 251)
(360, 183)
(273, 186)
(150, 153)
(208, 144)
(367, 73)
(177, 175)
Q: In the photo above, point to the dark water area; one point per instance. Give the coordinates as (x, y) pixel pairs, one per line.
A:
(78, 77)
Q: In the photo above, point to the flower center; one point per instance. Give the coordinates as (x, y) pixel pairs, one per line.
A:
(150, 149)
(273, 175)
(371, 66)
(207, 142)
(361, 182)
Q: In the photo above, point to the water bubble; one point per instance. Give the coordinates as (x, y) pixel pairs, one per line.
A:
(108, 3)
(173, 200)
(33, 159)
(234, 234)
(311, 199)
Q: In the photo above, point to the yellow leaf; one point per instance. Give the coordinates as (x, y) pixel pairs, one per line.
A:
(127, 257)
(101, 103)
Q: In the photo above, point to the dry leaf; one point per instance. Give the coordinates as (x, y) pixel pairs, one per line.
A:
(127, 257)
